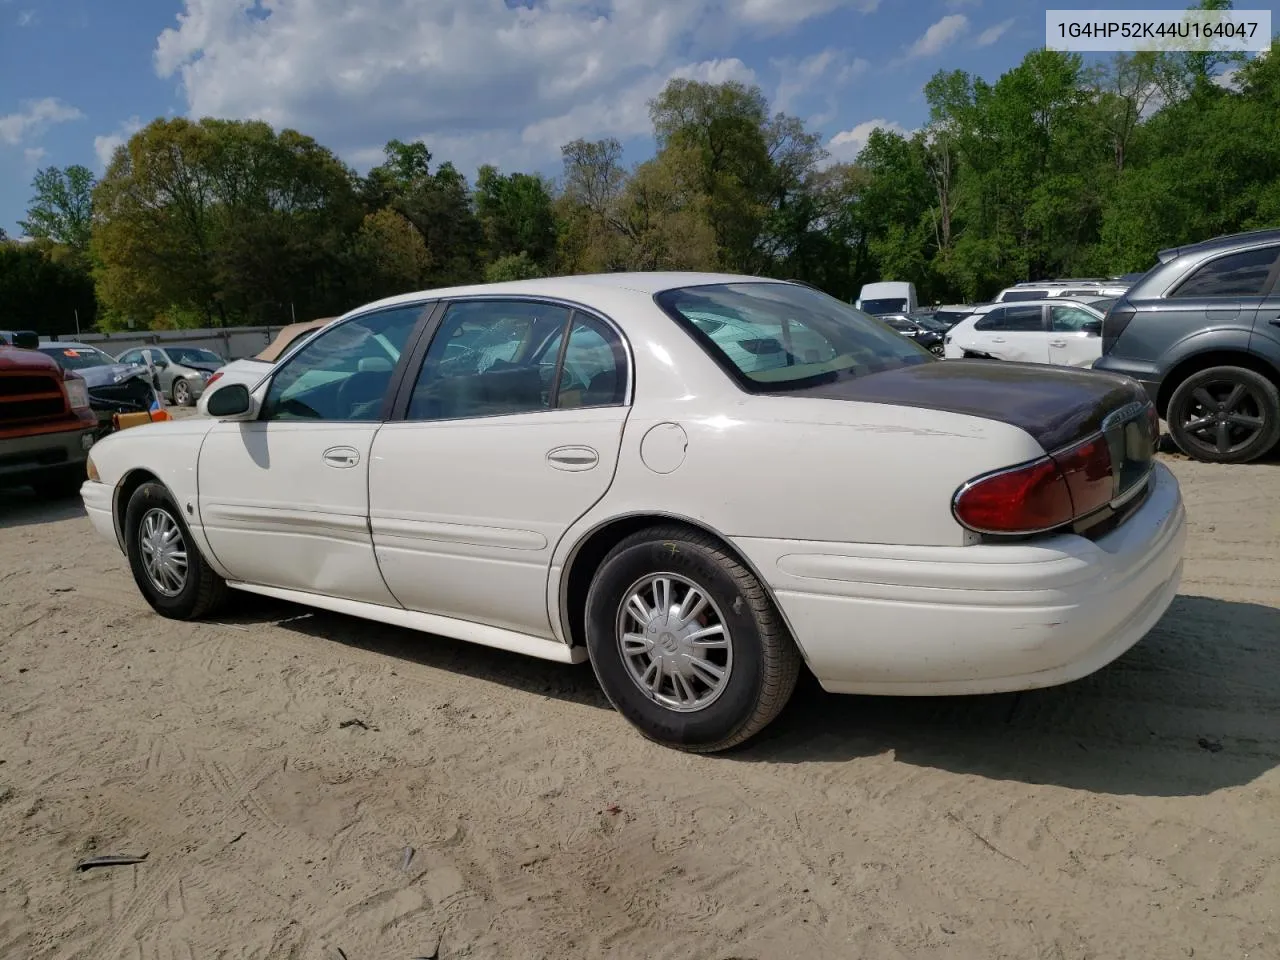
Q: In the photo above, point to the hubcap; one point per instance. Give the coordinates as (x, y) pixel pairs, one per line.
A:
(181, 392)
(674, 642)
(1223, 416)
(164, 552)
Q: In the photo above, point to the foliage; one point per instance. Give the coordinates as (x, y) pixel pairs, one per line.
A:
(61, 209)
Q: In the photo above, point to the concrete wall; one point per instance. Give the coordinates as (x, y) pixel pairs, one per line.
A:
(230, 343)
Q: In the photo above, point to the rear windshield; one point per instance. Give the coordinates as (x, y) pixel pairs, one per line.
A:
(773, 337)
(891, 305)
(77, 358)
(1012, 296)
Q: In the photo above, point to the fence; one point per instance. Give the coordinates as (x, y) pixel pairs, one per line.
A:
(231, 343)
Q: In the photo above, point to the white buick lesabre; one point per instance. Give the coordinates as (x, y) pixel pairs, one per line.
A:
(695, 481)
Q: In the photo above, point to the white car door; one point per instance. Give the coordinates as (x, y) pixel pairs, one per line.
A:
(1071, 341)
(506, 441)
(1013, 332)
(284, 499)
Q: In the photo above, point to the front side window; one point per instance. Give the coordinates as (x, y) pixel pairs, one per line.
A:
(1012, 320)
(1067, 319)
(776, 336)
(343, 374)
(1246, 274)
(131, 356)
(489, 358)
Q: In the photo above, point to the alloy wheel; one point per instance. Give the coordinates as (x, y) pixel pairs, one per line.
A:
(1223, 416)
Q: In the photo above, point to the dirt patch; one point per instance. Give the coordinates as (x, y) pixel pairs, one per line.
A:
(487, 805)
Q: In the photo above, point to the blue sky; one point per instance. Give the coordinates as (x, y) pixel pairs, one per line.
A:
(497, 81)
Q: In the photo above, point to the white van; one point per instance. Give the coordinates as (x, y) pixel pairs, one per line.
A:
(890, 296)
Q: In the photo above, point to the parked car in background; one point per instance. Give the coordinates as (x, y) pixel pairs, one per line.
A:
(46, 425)
(950, 314)
(588, 468)
(181, 372)
(1059, 288)
(27, 339)
(918, 328)
(114, 387)
(1059, 331)
(889, 296)
(1201, 331)
(252, 369)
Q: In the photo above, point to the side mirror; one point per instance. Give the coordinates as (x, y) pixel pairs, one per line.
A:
(231, 402)
(26, 339)
(1093, 328)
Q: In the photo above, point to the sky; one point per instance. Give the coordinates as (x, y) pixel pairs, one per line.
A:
(480, 81)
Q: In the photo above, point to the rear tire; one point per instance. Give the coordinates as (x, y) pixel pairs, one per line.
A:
(636, 650)
(167, 566)
(1225, 415)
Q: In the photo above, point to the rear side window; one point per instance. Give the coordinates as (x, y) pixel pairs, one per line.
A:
(1013, 296)
(1247, 274)
(1012, 320)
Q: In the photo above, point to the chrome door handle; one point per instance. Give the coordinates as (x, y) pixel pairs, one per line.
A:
(573, 458)
(1274, 321)
(997, 339)
(341, 457)
(1057, 343)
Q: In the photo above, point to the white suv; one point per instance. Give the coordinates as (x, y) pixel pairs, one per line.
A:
(1058, 330)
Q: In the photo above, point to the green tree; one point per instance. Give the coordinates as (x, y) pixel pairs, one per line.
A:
(516, 215)
(62, 208)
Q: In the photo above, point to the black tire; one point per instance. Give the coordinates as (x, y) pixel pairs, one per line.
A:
(938, 350)
(202, 590)
(181, 398)
(1244, 404)
(765, 662)
(63, 484)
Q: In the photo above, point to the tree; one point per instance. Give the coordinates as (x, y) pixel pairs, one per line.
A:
(516, 216)
(514, 266)
(62, 208)
(390, 255)
(44, 290)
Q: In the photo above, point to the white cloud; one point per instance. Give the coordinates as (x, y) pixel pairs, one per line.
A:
(822, 71)
(35, 118)
(33, 155)
(508, 82)
(26, 18)
(104, 145)
(961, 4)
(939, 36)
(993, 33)
(788, 12)
(845, 146)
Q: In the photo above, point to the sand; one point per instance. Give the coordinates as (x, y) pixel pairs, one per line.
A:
(305, 783)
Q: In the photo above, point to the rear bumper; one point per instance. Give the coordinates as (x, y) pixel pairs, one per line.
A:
(1145, 373)
(28, 459)
(881, 619)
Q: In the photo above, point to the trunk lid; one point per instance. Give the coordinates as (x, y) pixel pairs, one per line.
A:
(1060, 407)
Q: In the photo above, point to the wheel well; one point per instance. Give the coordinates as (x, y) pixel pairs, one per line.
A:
(1203, 361)
(130, 482)
(587, 558)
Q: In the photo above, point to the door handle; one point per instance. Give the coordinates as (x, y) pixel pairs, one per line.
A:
(1274, 321)
(997, 339)
(1057, 343)
(341, 457)
(573, 458)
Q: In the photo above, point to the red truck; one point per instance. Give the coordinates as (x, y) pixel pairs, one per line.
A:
(46, 424)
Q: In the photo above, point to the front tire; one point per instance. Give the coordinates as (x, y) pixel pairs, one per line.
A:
(166, 564)
(1225, 415)
(181, 393)
(685, 642)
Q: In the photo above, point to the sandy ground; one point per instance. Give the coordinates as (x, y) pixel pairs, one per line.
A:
(493, 806)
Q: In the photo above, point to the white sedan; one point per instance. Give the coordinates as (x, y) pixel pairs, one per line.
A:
(698, 482)
(1059, 331)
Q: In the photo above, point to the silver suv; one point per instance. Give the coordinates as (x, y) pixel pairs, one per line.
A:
(1201, 331)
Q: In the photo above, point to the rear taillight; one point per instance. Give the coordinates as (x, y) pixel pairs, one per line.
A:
(1039, 496)
(213, 377)
(1114, 323)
